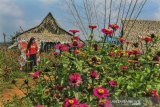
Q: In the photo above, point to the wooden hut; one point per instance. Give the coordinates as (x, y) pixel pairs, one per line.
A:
(48, 31)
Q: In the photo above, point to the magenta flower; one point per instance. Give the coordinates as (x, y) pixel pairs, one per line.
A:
(64, 47)
(57, 46)
(36, 74)
(113, 83)
(154, 93)
(94, 74)
(92, 27)
(76, 44)
(100, 92)
(70, 102)
(39, 105)
(114, 26)
(75, 79)
(107, 31)
(83, 105)
(105, 103)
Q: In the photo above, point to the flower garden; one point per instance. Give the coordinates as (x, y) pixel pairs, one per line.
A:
(93, 74)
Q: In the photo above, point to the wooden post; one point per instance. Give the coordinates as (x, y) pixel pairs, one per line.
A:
(4, 38)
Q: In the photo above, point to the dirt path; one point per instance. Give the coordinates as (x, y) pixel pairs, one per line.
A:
(12, 91)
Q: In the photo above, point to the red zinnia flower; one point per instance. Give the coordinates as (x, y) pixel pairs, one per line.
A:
(147, 39)
(55, 53)
(75, 79)
(124, 67)
(39, 105)
(112, 54)
(76, 51)
(129, 52)
(70, 102)
(63, 47)
(114, 26)
(154, 93)
(120, 53)
(107, 31)
(105, 103)
(136, 52)
(94, 74)
(74, 31)
(92, 27)
(59, 87)
(113, 83)
(100, 92)
(122, 40)
(36, 74)
(156, 58)
(128, 43)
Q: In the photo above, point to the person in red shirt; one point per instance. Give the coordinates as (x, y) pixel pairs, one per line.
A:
(32, 50)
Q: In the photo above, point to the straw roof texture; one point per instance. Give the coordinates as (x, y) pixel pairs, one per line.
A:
(47, 30)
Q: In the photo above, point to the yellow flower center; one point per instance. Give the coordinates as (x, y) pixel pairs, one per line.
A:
(100, 91)
(71, 102)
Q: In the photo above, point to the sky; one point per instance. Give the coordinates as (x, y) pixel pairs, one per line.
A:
(29, 13)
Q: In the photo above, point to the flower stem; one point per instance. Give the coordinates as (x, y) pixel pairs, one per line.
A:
(104, 41)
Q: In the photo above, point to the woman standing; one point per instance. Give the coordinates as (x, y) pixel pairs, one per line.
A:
(32, 50)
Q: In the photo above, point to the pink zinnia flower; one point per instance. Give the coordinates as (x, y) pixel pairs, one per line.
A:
(94, 74)
(36, 74)
(63, 47)
(100, 92)
(76, 44)
(70, 102)
(114, 26)
(147, 39)
(57, 46)
(75, 79)
(113, 83)
(74, 31)
(105, 103)
(92, 27)
(107, 31)
(154, 93)
(39, 105)
(83, 105)
(124, 67)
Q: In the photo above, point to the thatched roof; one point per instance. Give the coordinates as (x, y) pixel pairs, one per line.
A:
(47, 30)
(135, 29)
